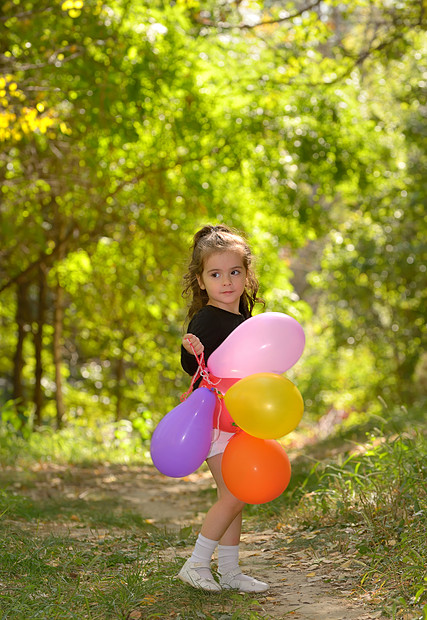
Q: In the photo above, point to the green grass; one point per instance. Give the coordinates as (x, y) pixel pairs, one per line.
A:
(81, 444)
(78, 559)
(100, 576)
(89, 558)
(94, 513)
(371, 498)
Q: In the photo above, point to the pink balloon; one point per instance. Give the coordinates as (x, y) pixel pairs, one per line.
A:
(268, 342)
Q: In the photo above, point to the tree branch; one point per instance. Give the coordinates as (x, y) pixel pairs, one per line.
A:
(99, 228)
(267, 22)
(44, 258)
(24, 14)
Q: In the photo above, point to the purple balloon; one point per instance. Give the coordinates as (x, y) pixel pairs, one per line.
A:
(182, 439)
(268, 342)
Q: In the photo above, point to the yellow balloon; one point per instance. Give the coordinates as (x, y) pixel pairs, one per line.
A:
(265, 405)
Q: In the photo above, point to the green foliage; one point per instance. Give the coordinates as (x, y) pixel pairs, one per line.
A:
(380, 491)
(367, 497)
(78, 443)
(124, 126)
(373, 265)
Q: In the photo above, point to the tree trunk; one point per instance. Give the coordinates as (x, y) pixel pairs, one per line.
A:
(58, 318)
(38, 346)
(18, 359)
(58, 321)
(120, 372)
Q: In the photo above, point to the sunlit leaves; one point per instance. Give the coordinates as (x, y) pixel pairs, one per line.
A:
(126, 125)
(73, 7)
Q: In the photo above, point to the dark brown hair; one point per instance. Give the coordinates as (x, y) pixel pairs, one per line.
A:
(212, 239)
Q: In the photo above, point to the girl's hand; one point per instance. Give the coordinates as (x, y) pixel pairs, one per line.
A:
(195, 342)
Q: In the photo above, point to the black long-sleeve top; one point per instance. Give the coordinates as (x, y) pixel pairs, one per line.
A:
(211, 325)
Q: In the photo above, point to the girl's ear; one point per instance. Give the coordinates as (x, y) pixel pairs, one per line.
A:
(200, 281)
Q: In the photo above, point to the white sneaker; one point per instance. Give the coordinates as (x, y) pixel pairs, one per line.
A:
(190, 575)
(235, 580)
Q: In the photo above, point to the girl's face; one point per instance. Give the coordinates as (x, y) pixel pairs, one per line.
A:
(224, 279)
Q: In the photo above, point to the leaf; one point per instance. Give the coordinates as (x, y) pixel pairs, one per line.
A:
(185, 532)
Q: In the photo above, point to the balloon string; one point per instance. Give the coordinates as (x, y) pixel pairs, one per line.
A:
(203, 372)
(201, 367)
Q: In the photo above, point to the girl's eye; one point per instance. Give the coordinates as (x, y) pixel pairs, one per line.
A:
(235, 272)
(214, 275)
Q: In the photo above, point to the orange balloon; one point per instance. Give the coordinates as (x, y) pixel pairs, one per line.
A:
(221, 418)
(255, 470)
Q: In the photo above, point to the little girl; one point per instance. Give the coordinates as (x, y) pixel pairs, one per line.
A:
(223, 290)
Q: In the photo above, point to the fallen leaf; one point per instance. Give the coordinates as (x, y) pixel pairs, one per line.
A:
(149, 599)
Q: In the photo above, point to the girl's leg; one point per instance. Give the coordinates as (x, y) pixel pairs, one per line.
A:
(232, 534)
(223, 524)
(228, 548)
(223, 521)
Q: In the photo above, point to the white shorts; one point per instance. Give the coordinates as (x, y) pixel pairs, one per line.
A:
(220, 440)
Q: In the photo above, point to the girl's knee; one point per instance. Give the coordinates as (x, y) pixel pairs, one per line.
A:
(233, 504)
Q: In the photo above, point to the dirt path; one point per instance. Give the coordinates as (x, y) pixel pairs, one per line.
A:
(304, 584)
(298, 579)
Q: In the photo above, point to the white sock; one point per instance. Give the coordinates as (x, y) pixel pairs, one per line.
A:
(202, 554)
(228, 558)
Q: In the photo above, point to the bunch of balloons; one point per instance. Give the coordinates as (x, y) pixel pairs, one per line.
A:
(259, 405)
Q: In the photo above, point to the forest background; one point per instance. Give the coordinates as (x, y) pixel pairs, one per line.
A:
(125, 126)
